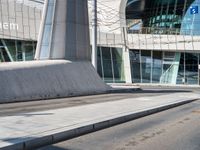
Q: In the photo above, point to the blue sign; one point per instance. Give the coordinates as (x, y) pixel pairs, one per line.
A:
(194, 10)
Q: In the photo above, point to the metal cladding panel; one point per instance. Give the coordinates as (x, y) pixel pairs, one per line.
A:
(67, 29)
(19, 21)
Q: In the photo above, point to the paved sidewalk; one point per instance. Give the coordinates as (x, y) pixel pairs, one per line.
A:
(31, 130)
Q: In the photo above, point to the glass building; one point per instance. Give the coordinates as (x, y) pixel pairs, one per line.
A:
(163, 48)
(19, 27)
(165, 18)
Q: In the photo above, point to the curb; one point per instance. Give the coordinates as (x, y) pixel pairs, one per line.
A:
(121, 90)
(32, 144)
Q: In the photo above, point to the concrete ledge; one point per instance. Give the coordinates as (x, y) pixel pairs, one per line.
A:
(38, 142)
(85, 129)
(34, 80)
(19, 146)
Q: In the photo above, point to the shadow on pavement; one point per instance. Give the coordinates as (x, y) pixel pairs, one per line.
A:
(21, 139)
(51, 147)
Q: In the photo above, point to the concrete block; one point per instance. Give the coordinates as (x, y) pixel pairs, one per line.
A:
(62, 136)
(84, 130)
(101, 125)
(19, 146)
(24, 81)
(135, 115)
(38, 142)
(116, 121)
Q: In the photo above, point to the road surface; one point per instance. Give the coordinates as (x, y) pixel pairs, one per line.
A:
(174, 129)
(24, 107)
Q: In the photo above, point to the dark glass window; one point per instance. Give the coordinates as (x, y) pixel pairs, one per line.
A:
(146, 66)
(135, 66)
(180, 77)
(107, 64)
(99, 63)
(117, 64)
(156, 66)
(191, 68)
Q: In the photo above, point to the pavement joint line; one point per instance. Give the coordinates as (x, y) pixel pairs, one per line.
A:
(33, 143)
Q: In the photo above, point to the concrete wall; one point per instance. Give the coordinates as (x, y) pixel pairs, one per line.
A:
(24, 81)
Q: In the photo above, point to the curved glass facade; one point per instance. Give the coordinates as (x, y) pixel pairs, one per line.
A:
(191, 21)
(161, 64)
(167, 16)
(166, 13)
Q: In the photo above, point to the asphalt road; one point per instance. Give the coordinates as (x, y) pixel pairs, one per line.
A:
(174, 129)
(24, 107)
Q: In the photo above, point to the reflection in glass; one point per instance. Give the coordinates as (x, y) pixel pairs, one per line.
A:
(29, 50)
(135, 66)
(99, 63)
(156, 66)
(117, 64)
(167, 67)
(48, 25)
(191, 68)
(190, 22)
(146, 66)
(107, 64)
(181, 70)
(11, 47)
(15, 50)
(110, 64)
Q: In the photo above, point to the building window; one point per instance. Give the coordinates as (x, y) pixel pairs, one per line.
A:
(164, 67)
(110, 64)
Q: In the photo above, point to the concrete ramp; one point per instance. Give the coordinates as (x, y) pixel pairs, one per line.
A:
(24, 81)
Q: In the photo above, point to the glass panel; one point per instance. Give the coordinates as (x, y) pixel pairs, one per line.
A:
(118, 64)
(170, 67)
(11, 47)
(146, 66)
(106, 56)
(157, 66)
(19, 51)
(191, 68)
(162, 16)
(47, 30)
(99, 66)
(29, 53)
(135, 65)
(3, 55)
(199, 69)
(190, 22)
(180, 77)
